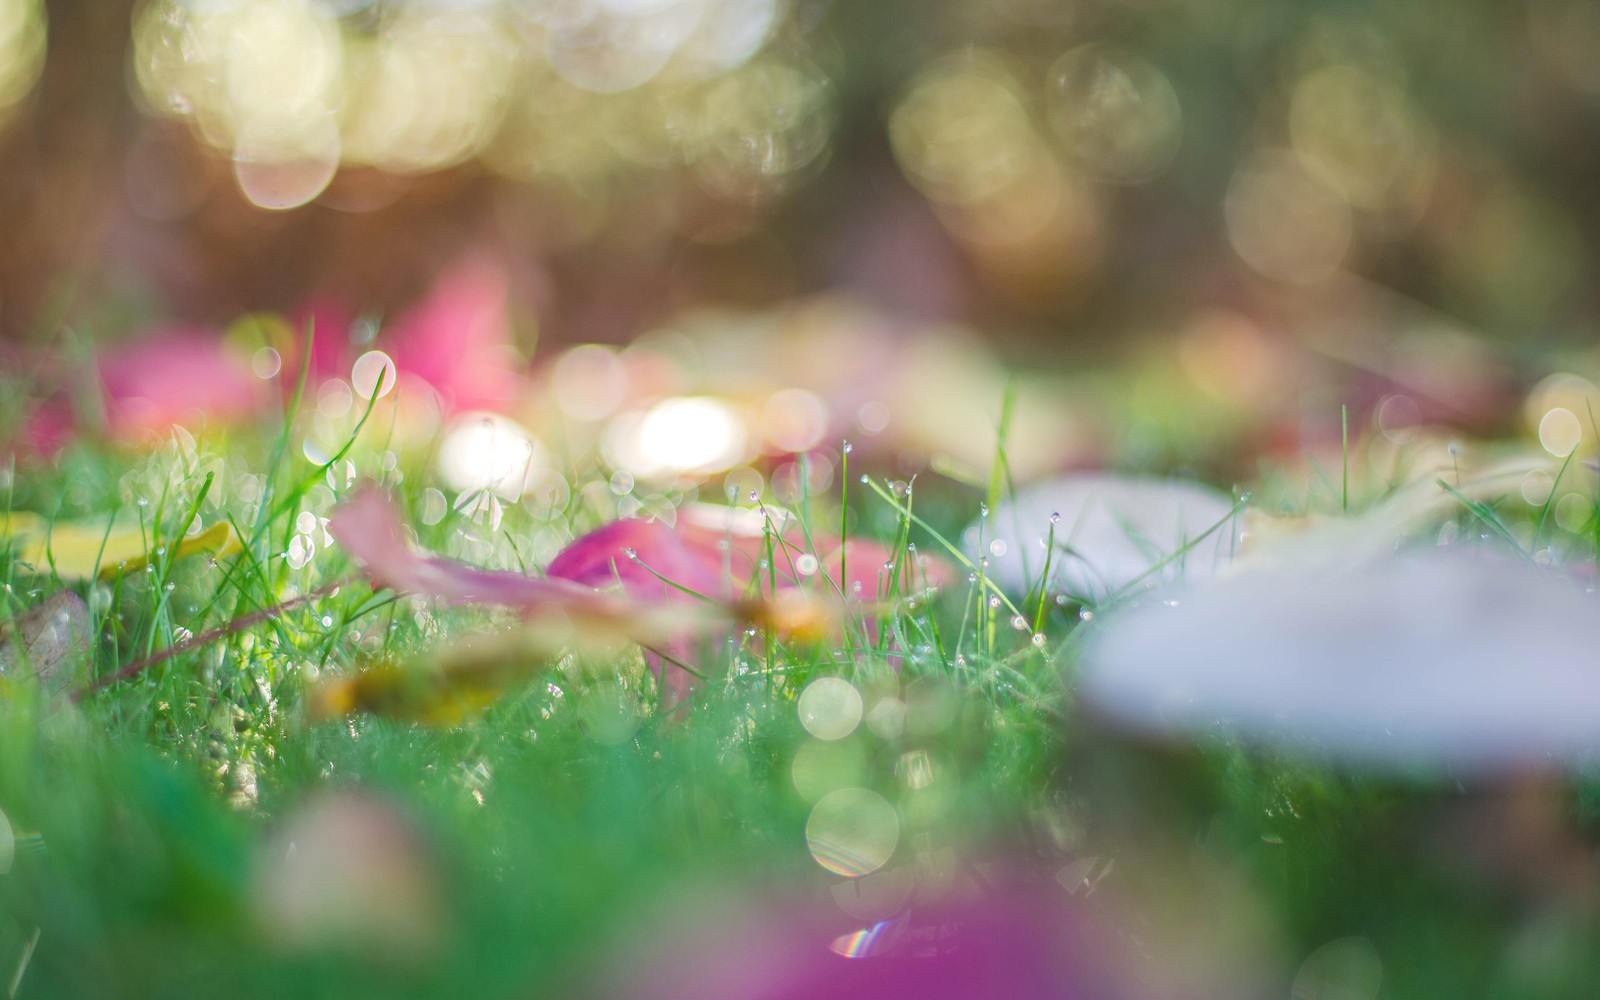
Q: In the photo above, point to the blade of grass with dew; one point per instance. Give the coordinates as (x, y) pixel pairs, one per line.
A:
(1486, 514)
(1179, 553)
(1549, 501)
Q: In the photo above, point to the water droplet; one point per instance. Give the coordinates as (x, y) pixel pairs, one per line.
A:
(848, 447)
(431, 509)
(631, 553)
(301, 549)
(1055, 517)
(755, 495)
(994, 602)
(1038, 639)
(864, 479)
(1019, 623)
(1084, 614)
(983, 510)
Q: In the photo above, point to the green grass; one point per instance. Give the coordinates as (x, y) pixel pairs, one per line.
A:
(575, 805)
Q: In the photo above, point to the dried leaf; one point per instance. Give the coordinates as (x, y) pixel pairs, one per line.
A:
(52, 640)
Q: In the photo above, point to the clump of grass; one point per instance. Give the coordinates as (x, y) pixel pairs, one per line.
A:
(143, 808)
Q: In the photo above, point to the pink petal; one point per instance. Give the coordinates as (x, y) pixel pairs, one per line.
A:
(646, 558)
(869, 570)
(369, 528)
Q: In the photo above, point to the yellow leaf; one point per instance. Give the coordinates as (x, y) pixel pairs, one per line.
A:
(81, 551)
(19, 524)
(456, 681)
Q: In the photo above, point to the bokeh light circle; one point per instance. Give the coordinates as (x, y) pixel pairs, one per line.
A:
(830, 708)
(486, 451)
(853, 832)
(1286, 222)
(1118, 114)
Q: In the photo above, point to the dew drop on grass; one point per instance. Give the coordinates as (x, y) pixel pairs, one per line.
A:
(1055, 517)
(301, 549)
(864, 479)
(1038, 639)
(431, 509)
(631, 553)
(1019, 623)
(848, 447)
(8, 844)
(1084, 614)
(994, 602)
(341, 475)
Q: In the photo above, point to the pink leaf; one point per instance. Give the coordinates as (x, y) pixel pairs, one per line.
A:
(458, 338)
(176, 376)
(647, 558)
(370, 529)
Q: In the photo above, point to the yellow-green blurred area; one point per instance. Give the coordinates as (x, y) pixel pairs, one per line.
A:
(1073, 177)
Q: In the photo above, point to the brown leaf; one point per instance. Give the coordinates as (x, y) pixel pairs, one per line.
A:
(53, 640)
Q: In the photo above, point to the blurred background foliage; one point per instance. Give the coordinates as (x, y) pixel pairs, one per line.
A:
(1070, 177)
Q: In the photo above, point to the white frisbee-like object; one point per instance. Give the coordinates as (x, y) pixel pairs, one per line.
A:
(1472, 660)
(1104, 532)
